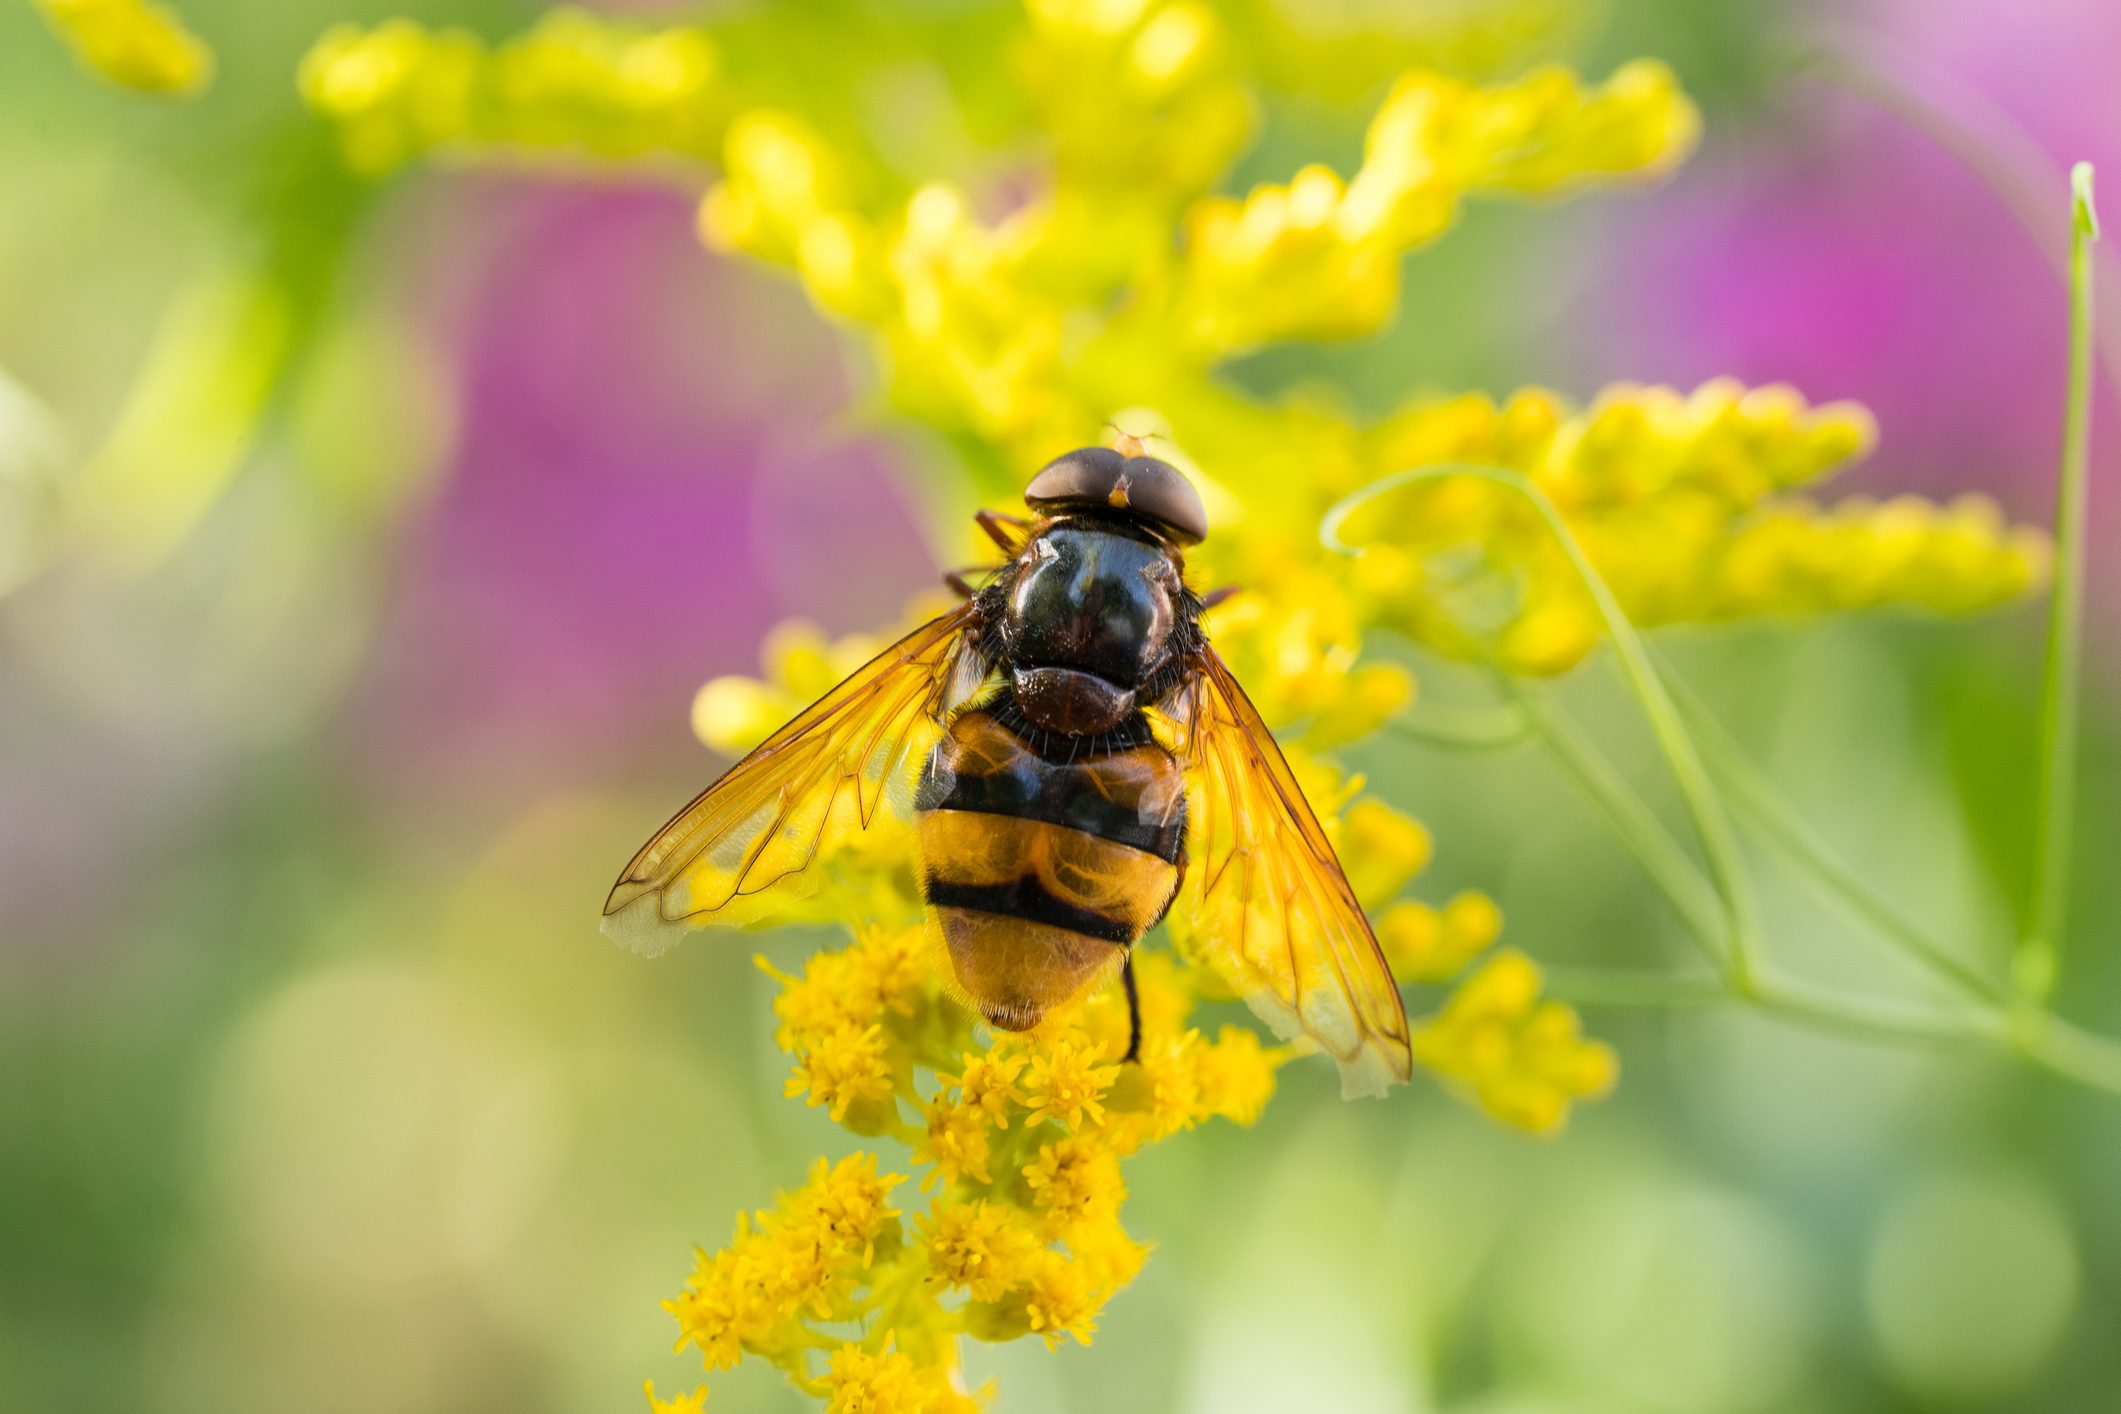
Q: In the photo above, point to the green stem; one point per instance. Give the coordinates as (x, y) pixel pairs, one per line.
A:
(1465, 728)
(1695, 790)
(1608, 792)
(2075, 1054)
(1876, 1021)
(2034, 968)
(1600, 987)
(1756, 797)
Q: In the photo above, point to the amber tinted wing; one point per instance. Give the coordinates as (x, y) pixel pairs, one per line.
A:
(747, 845)
(1273, 911)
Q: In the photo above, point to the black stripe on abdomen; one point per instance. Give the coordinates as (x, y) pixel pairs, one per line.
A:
(1027, 899)
(1027, 798)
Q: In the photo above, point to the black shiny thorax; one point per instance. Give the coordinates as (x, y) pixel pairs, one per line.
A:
(1090, 622)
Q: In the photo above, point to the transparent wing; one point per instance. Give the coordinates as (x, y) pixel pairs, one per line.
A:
(1273, 911)
(745, 848)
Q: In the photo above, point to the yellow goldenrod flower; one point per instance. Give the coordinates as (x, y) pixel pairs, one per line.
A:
(987, 1085)
(693, 1403)
(133, 42)
(1073, 1180)
(888, 1382)
(1425, 944)
(576, 83)
(956, 1144)
(1019, 1143)
(1382, 848)
(1523, 1060)
(980, 1247)
(848, 1071)
(1065, 1080)
(1234, 1078)
(1319, 257)
(1062, 1301)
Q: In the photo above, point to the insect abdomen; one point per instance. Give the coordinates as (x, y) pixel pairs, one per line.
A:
(1041, 873)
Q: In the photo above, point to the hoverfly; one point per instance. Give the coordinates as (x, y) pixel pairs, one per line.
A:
(1069, 745)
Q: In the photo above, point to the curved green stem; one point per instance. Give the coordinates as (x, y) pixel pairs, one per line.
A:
(1756, 798)
(1695, 790)
(1669, 867)
(2034, 967)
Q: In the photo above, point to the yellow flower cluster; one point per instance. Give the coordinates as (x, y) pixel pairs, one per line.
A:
(1320, 258)
(1428, 944)
(575, 83)
(1678, 499)
(1018, 1143)
(133, 42)
(1522, 1060)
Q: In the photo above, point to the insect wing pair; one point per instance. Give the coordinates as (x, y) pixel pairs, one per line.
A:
(1272, 908)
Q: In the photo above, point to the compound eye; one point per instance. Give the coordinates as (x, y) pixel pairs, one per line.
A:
(1044, 550)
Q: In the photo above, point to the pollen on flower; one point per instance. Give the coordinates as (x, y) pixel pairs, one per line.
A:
(955, 1144)
(874, 1383)
(1065, 1081)
(840, 1069)
(987, 1084)
(981, 1247)
(1073, 1180)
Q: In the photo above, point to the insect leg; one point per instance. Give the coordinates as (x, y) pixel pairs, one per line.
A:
(1217, 596)
(1134, 1010)
(1006, 531)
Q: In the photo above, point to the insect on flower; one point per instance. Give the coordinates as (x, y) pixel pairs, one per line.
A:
(1071, 746)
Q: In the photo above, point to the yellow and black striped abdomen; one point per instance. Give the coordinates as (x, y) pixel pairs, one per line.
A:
(1043, 870)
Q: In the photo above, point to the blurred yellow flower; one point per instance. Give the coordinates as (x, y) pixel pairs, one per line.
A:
(1525, 1061)
(136, 43)
(576, 83)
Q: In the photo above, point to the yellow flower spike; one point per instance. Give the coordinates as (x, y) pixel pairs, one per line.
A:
(693, 1403)
(1135, 97)
(1424, 944)
(1319, 258)
(1369, 695)
(779, 178)
(1381, 848)
(1523, 1061)
(1065, 1082)
(137, 44)
(574, 83)
(979, 1247)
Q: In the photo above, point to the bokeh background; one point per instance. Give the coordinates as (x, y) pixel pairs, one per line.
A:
(361, 545)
